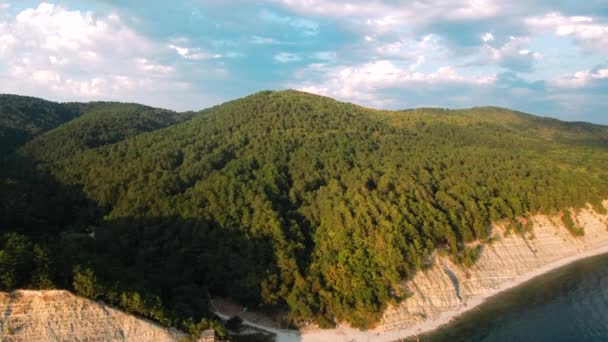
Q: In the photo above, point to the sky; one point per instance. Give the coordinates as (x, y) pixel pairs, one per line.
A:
(546, 57)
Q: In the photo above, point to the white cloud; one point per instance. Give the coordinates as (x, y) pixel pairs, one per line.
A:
(285, 57)
(487, 37)
(589, 33)
(513, 55)
(146, 65)
(392, 13)
(579, 78)
(45, 76)
(6, 41)
(365, 83)
(52, 52)
(408, 48)
(419, 61)
(53, 28)
(194, 53)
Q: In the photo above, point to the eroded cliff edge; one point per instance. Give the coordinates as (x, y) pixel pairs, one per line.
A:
(444, 290)
(438, 293)
(56, 315)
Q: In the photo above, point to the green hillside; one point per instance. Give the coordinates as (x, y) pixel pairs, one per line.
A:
(23, 117)
(102, 123)
(291, 199)
(548, 128)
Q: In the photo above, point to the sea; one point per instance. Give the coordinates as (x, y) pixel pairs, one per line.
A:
(566, 304)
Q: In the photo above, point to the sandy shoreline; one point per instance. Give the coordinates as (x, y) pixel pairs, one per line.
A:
(346, 333)
(445, 291)
(448, 316)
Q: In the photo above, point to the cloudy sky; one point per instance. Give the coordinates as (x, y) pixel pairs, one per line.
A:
(547, 57)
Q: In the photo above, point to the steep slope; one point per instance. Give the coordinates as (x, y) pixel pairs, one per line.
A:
(510, 259)
(22, 118)
(55, 221)
(31, 198)
(445, 289)
(60, 316)
(287, 198)
(102, 123)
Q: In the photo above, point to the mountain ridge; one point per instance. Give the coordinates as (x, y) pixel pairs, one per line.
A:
(294, 200)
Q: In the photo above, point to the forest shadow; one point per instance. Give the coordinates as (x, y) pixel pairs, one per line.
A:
(34, 203)
(167, 268)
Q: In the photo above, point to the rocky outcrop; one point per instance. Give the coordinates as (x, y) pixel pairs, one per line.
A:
(61, 316)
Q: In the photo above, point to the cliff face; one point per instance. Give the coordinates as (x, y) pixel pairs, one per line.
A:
(438, 293)
(445, 289)
(61, 316)
(512, 258)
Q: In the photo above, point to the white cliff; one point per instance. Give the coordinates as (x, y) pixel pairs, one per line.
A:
(445, 290)
(438, 294)
(55, 315)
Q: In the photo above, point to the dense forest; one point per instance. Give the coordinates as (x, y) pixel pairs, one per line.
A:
(22, 118)
(277, 199)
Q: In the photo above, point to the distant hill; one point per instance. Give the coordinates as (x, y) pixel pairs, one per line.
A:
(548, 128)
(102, 123)
(23, 117)
(286, 199)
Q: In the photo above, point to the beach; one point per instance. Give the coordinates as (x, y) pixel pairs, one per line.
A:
(346, 333)
(445, 291)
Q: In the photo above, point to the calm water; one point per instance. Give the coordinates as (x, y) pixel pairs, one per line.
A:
(568, 304)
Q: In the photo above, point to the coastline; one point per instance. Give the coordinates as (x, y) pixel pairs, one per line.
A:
(346, 333)
(437, 300)
(449, 316)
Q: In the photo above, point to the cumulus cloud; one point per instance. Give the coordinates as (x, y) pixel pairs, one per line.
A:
(53, 52)
(589, 33)
(381, 53)
(365, 83)
(462, 22)
(72, 54)
(580, 78)
(458, 19)
(409, 48)
(390, 12)
(514, 54)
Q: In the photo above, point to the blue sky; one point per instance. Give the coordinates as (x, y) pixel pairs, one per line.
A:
(546, 57)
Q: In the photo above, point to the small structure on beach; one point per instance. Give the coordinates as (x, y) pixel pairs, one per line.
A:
(207, 336)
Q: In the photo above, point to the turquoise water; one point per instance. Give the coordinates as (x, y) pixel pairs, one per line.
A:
(568, 304)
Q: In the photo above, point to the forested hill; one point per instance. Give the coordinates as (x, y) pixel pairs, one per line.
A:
(548, 128)
(286, 199)
(23, 117)
(101, 124)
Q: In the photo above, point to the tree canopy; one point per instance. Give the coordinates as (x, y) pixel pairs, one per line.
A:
(284, 199)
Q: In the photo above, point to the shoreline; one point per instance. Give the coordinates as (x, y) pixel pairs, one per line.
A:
(346, 333)
(449, 316)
